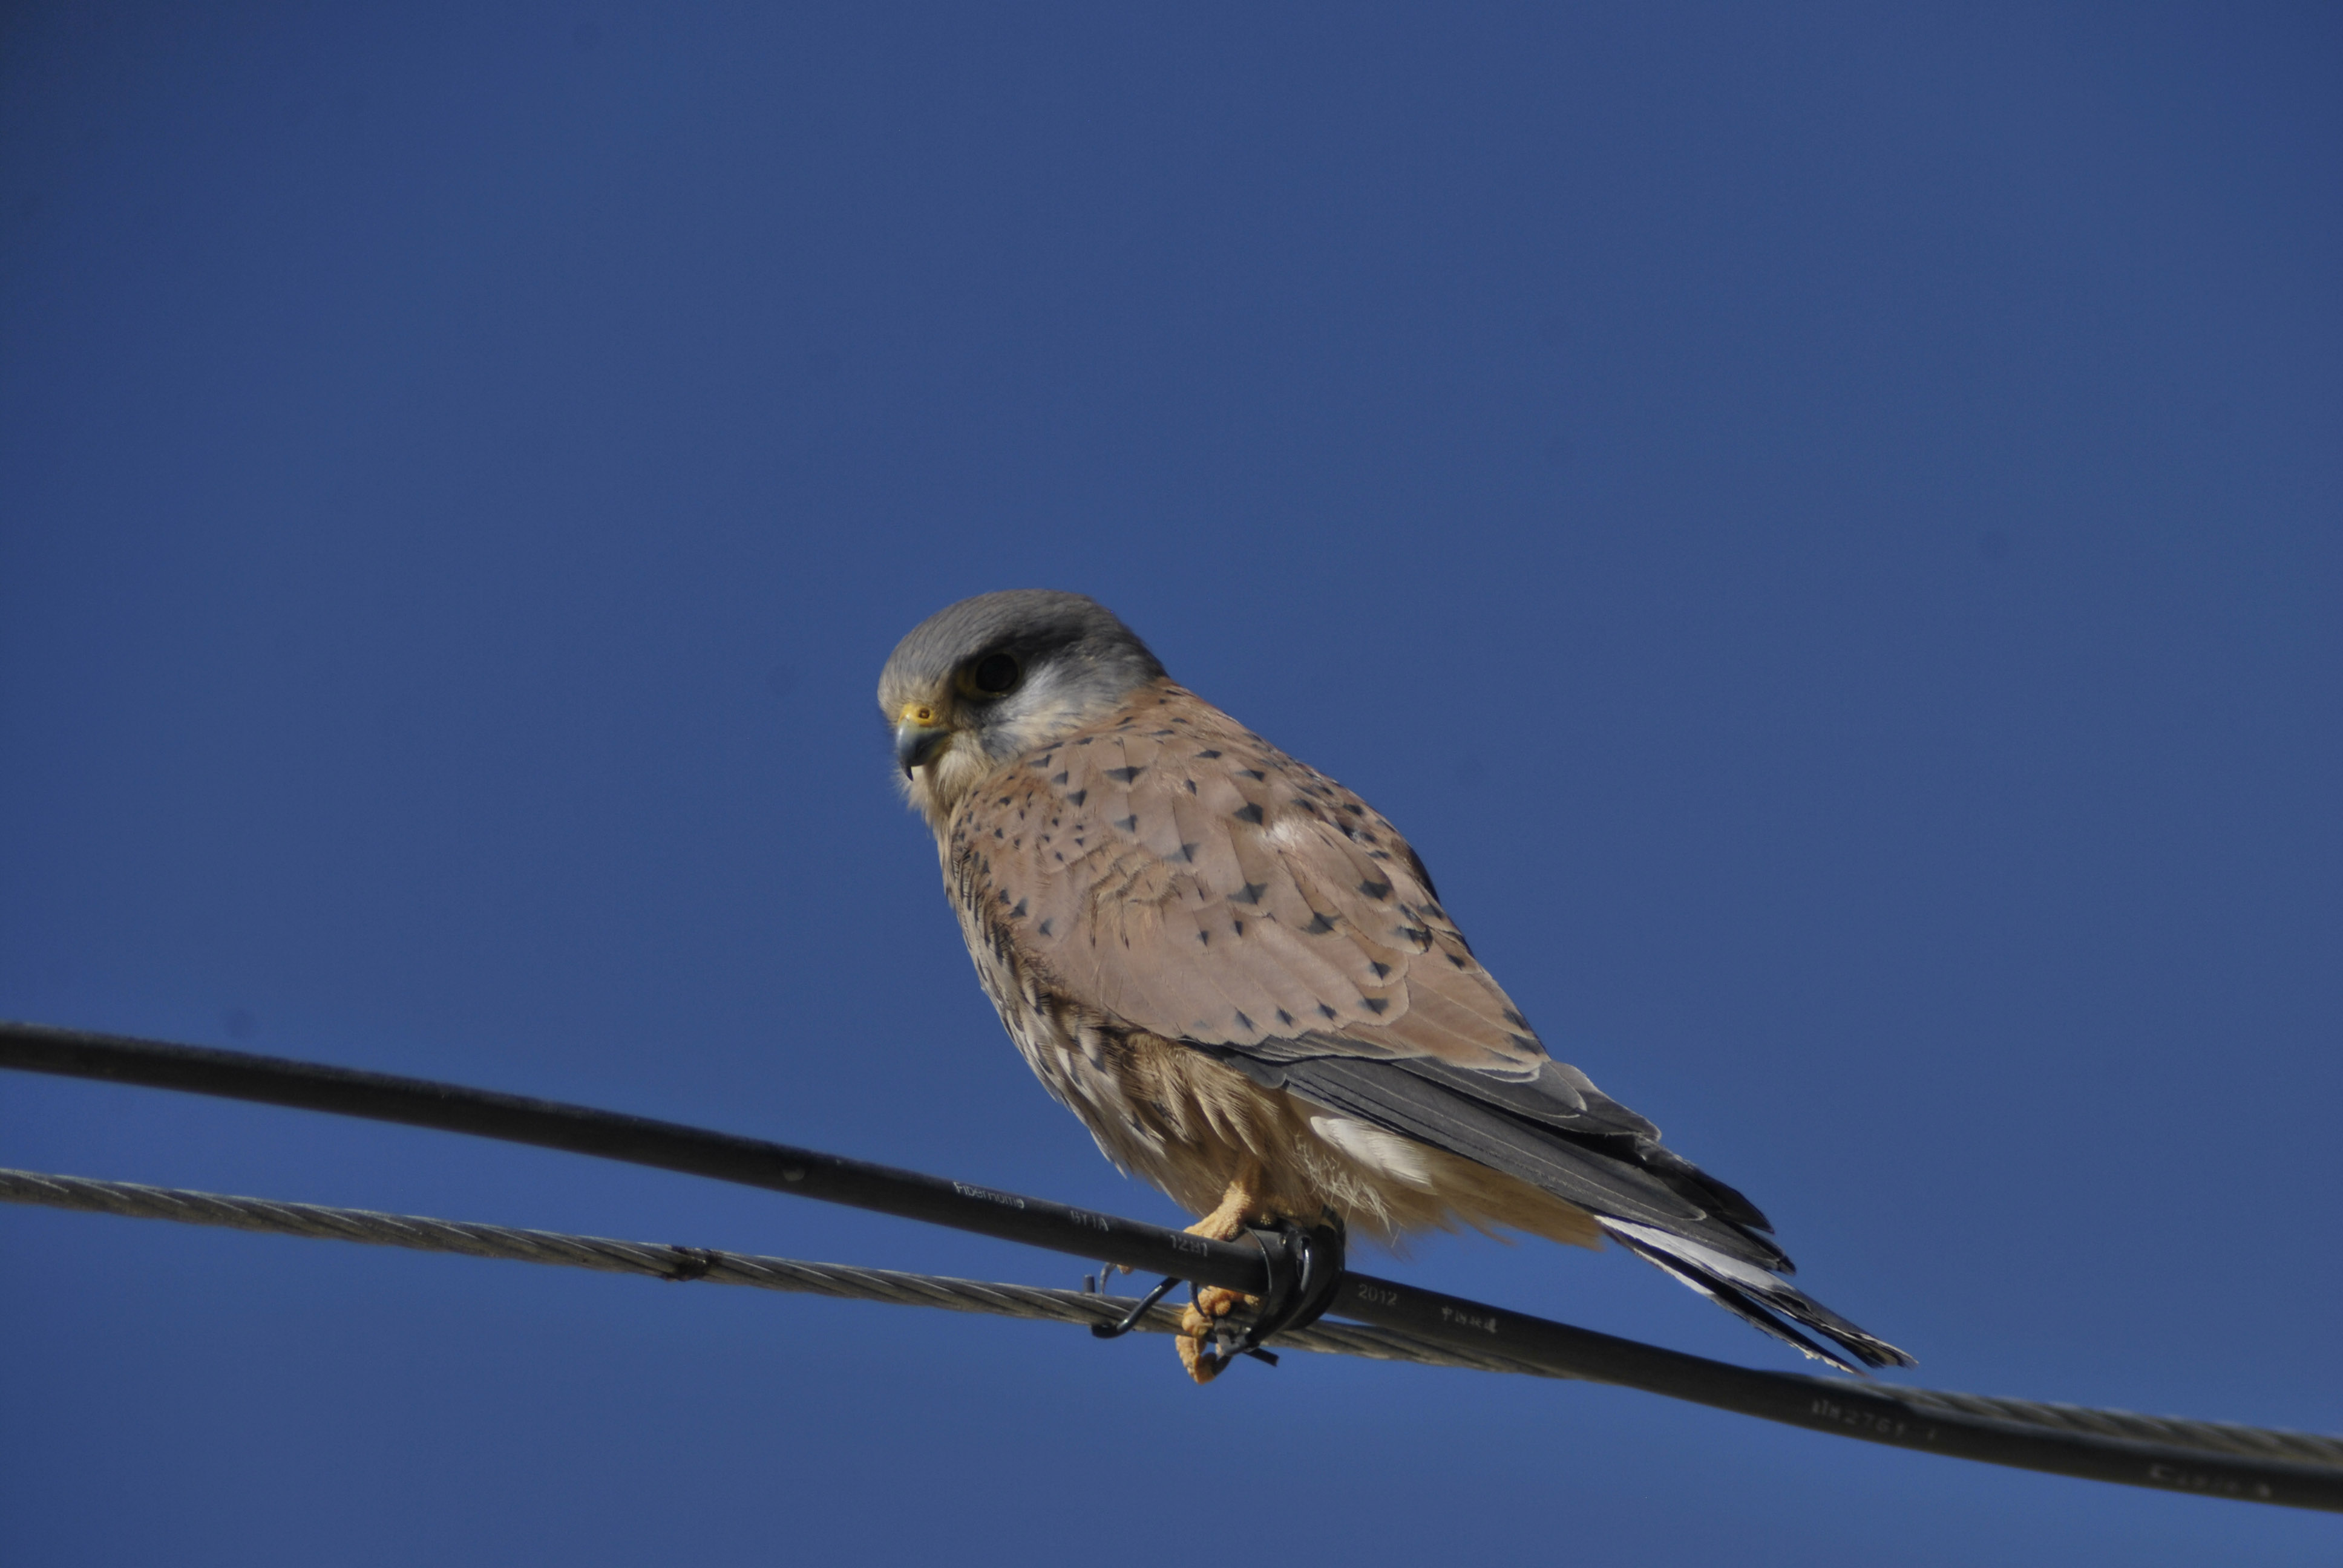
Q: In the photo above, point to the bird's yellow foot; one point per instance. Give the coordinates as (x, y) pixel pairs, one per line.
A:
(1205, 1320)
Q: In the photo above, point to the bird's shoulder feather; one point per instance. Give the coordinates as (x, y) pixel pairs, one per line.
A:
(1173, 870)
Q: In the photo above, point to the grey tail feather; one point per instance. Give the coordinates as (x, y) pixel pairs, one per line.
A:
(1757, 1298)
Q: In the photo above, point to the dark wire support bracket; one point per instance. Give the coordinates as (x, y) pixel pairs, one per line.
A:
(2212, 1459)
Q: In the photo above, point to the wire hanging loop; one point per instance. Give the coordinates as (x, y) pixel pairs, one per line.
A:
(1130, 1319)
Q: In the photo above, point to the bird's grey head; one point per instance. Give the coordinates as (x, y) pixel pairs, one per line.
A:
(983, 680)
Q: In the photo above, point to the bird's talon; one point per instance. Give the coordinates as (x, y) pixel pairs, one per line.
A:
(1208, 1340)
(1201, 1365)
(1214, 1300)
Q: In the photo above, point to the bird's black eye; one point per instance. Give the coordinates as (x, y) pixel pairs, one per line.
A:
(995, 675)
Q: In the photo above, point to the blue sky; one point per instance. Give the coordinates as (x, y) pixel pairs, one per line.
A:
(1821, 523)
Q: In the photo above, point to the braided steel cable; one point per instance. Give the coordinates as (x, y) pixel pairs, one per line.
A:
(684, 1265)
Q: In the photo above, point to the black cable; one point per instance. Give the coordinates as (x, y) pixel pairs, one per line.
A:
(635, 1139)
(2061, 1440)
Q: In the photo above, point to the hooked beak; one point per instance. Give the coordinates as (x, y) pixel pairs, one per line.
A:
(916, 742)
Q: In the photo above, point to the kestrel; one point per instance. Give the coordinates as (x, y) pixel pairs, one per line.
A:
(1239, 975)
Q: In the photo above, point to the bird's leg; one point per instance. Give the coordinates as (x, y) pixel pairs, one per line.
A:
(1240, 1206)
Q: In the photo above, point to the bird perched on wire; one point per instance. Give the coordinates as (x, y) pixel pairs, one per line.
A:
(1240, 977)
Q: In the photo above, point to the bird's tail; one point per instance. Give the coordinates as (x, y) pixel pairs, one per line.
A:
(1757, 1296)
